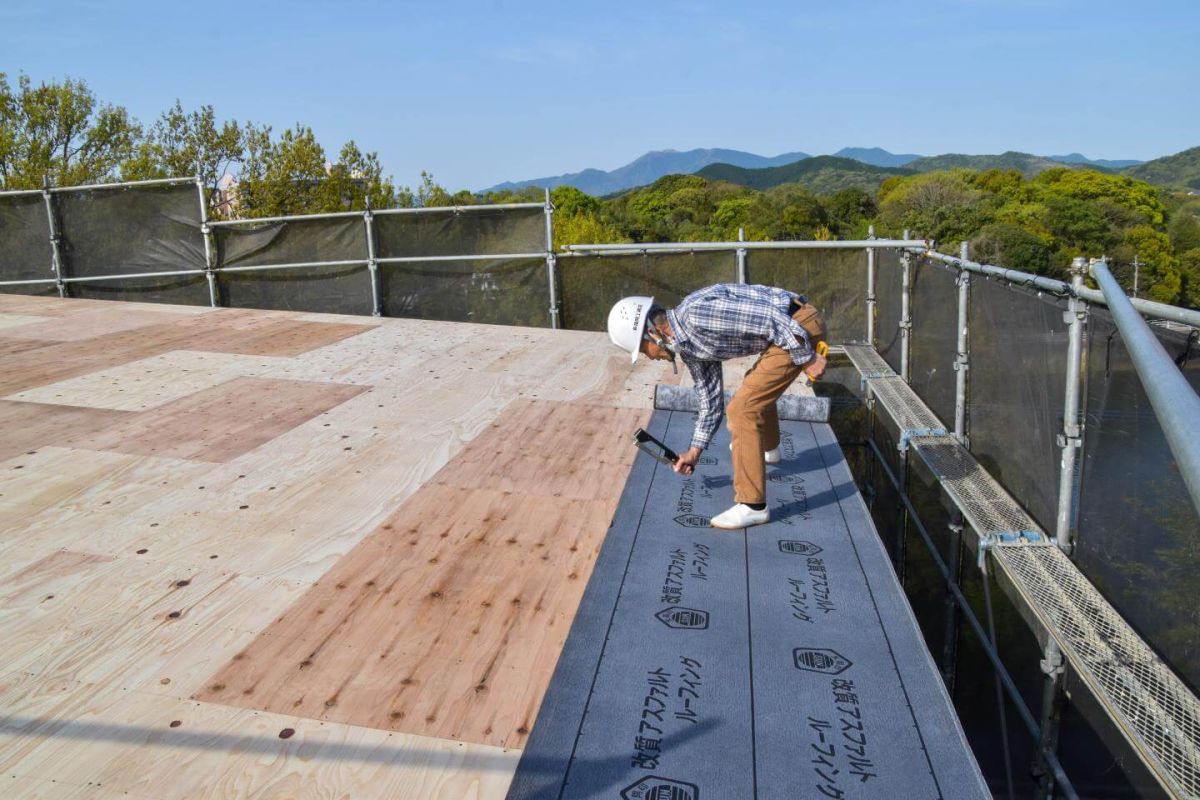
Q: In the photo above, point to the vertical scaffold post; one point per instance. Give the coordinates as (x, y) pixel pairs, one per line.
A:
(1072, 435)
(372, 263)
(1070, 440)
(961, 355)
(905, 309)
(206, 233)
(950, 640)
(56, 261)
(905, 336)
(551, 263)
(871, 288)
(957, 523)
(741, 257)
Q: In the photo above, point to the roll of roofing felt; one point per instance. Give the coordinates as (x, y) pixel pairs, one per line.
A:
(801, 408)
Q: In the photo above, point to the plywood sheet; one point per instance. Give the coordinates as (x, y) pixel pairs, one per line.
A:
(25, 427)
(70, 740)
(89, 324)
(556, 450)
(447, 619)
(266, 333)
(220, 423)
(44, 361)
(151, 382)
(19, 320)
(93, 542)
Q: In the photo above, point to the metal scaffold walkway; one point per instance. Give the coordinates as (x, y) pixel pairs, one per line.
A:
(780, 661)
(1151, 707)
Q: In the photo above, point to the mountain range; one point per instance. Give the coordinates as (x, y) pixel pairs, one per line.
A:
(650, 167)
(855, 166)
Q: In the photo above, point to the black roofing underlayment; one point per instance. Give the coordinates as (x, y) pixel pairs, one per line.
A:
(778, 662)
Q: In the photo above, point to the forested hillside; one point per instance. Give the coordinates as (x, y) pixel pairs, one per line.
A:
(1181, 171)
(821, 174)
(1025, 163)
(1036, 224)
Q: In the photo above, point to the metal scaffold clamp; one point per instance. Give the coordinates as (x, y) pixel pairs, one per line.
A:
(1053, 666)
(908, 434)
(995, 539)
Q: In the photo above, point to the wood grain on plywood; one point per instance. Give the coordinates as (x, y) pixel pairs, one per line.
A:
(447, 620)
(90, 324)
(31, 362)
(86, 742)
(220, 423)
(25, 427)
(369, 489)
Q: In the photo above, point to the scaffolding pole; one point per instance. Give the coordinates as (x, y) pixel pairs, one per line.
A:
(741, 257)
(962, 355)
(871, 288)
(1149, 308)
(206, 233)
(695, 247)
(1070, 441)
(551, 263)
(372, 262)
(87, 187)
(905, 309)
(55, 249)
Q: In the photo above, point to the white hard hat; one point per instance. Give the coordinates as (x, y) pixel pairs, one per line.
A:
(627, 323)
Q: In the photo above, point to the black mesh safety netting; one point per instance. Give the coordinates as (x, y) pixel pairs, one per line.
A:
(330, 288)
(1018, 347)
(835, 281)
(460, 232)
(888, 288)
(934, 342)
(1138, 534)
(591, 284)
(492, 291)
(25, 252)
(123, 230)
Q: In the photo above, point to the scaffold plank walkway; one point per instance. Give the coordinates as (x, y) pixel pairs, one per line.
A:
(1150, 706)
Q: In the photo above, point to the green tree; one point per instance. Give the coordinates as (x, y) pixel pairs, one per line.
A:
(282, 177)
(181, 144)
(569, 201)
(1011, 246)
(584, 228)
(1184, 230)
(356, 179)
(59, 132)
(849, 212)
(1189, 274)
(1161, 271)
(944, 206)
(1140, 198)
(291, 175)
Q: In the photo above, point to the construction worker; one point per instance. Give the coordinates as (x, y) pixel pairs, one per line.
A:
(712, 325)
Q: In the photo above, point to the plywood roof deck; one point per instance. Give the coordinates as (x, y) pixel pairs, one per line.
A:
(272, 554)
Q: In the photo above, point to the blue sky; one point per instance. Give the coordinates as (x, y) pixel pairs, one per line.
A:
(480, 92)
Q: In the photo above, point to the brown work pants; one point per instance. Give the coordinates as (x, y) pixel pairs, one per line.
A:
(753, 420)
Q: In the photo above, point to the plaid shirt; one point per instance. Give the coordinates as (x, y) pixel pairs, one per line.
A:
(726, 321)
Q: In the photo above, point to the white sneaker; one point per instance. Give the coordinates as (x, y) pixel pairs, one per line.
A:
(771, 456)
(740, 516)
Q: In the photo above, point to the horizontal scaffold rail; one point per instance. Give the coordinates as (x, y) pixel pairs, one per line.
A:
(1148, 307)
(692, 247)
(1150, 706)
